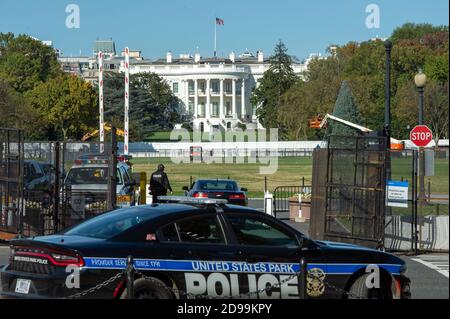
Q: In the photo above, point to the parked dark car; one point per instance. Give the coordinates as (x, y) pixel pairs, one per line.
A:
(218, 188)
(196, 248)
(35, 177)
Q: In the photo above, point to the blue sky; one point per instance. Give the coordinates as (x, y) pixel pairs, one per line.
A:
(157, 26)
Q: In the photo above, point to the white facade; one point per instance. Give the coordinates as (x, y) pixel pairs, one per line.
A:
(214, 91)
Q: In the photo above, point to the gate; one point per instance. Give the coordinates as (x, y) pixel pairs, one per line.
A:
(35, 197)
(11, 182)
(348, 194)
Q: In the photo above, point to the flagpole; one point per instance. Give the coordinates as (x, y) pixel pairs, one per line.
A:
(215, 37)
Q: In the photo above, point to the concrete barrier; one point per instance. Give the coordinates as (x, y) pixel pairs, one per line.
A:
(433, 233)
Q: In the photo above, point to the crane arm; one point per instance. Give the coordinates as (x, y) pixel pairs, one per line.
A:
(353, 125)
(107, 127)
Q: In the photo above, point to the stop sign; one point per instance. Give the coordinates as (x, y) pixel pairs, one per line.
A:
(421, 135)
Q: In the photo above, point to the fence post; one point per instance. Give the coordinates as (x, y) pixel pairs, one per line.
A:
(265, 184)
(130, 278)
(56, 188)
(112, 170)
(303, 274)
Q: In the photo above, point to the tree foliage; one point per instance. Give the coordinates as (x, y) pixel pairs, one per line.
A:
(362, 65)
(67, 106)
(345, 108)
(275, 82)
(153, 107)
(26, 62)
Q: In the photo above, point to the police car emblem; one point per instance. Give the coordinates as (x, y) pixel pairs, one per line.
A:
(315, 285)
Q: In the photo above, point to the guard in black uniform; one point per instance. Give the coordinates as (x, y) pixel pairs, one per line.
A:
(159, 183)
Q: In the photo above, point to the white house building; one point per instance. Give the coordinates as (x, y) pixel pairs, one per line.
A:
(215, 91)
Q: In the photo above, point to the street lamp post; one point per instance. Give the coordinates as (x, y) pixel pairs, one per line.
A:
(387, 130)
(420, 80)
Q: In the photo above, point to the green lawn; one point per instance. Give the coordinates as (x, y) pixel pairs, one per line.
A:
(290, 172)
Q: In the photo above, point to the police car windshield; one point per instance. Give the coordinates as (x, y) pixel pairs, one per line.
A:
(109, 225)
(217, 185)
(87, 175)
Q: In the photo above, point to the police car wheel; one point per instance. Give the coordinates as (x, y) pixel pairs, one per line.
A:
(149, 288)
(359, 290)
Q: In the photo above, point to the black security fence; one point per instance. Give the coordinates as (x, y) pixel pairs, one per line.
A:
(39, 194)
(348, 194)
(354, 200)
(11, 179)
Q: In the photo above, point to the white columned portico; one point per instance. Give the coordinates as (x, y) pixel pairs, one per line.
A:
(196, 110)
(208, 99)
(234, 99)
(186, 94)
(243, 110)
(221, 110)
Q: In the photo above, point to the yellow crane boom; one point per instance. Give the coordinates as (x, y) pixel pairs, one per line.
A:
(94, 133)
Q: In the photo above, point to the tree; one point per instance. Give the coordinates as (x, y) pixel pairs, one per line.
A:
(412, 31)
(275, 82)
(26, 62)
(67, 105)
(436, 109)
(153, 106)
(346, 109)
(16, 112)
(310, 97)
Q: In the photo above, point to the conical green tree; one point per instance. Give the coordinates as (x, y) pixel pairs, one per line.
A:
(346, 109)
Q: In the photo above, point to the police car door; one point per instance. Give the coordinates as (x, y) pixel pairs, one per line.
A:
(269, 255)
(198, 255)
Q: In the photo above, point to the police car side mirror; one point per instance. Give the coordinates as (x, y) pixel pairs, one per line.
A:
(244, 189)
(185, 188)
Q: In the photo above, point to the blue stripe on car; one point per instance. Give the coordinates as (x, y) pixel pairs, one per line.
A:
(228, 266)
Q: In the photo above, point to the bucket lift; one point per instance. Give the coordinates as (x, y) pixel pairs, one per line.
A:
(395, 144)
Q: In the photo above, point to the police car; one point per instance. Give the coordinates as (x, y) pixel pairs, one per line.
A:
(89, 177)
(193, 248)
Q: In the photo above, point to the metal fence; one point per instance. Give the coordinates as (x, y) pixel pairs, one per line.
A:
(35, 198)
(284, 198)
(11, 179)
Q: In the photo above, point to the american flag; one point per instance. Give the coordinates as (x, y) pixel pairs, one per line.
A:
(219, 21)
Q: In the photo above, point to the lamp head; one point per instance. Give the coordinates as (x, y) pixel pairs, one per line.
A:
(420, 79)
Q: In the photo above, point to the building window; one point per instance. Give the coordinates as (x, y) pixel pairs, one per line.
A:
(191, 87)
(175, 87)
(228, 88)
(215, 86)
(201, 111)
(228, 108)
(215, 109)
(191, 107)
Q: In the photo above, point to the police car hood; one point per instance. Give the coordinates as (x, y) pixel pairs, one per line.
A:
(358, 252)
(337, 245)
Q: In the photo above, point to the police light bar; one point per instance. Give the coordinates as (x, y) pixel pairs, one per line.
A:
(191, 200)
(90, 161)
